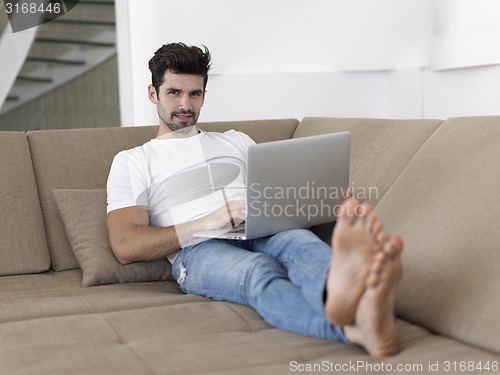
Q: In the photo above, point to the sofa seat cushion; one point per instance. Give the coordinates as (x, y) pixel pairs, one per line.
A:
(445, 205)
(60, 293)
(199, 337)
(380, 148)
(30, 286)
(84, 215)
(23, 246)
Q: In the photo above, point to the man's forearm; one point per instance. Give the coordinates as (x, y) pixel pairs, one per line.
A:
(141, 243)
(133, 239)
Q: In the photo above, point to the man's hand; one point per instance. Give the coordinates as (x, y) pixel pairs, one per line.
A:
(231, 214)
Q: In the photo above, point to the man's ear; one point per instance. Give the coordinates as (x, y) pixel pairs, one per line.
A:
(203, 100)
(152, 94)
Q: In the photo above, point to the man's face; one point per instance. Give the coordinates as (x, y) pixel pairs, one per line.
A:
(178, 101)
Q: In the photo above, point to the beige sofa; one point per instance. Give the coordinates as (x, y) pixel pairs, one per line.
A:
(436, 182)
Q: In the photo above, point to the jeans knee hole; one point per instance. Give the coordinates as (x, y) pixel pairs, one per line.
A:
(182, 274)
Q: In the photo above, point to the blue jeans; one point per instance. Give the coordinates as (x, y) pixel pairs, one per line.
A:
(282, 277)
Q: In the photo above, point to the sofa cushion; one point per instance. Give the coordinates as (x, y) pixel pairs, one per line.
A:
(52, 294)
(84, 215)
(446, 208)
(81, 159)
(380, 149)
(23, 246)
(205, 337)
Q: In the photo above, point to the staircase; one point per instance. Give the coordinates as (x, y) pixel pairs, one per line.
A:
(64, 49)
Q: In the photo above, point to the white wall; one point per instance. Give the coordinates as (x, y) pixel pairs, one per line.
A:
(343, 58)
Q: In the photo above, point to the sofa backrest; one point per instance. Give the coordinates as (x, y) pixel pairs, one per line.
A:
(81, 159)
(23, 246)
(75, 159)
(380, 148)
(445, 205)
(259, 130)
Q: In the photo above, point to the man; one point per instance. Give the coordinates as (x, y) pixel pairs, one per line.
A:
(160, 193)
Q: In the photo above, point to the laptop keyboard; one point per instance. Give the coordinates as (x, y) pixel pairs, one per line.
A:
(237, 231)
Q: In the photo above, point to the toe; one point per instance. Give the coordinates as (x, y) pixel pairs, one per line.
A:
(375, 269)
(347, 212)
(377, 228)
(393, 244)
(371, 222)
(380, 238)
(363, 211)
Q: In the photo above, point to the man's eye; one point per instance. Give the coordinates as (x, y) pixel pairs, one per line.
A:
(173, 92)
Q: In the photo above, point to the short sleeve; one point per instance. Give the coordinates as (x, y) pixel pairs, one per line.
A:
(127, 184)
(242, 140)
(246, 140)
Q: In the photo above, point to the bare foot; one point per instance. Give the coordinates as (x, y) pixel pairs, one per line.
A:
(357, 239)
(375, 325)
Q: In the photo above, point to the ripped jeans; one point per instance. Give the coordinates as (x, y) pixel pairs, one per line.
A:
(282, 277)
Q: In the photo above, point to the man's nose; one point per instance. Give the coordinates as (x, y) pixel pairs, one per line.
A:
(185, 103)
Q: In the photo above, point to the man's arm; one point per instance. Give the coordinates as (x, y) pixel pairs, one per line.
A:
(132, 239)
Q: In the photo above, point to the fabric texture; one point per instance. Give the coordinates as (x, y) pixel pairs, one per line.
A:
(445, 206)
(201, 337)
(23, 245)
(84, 215)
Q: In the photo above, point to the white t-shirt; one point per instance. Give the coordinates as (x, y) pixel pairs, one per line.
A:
(180, 180)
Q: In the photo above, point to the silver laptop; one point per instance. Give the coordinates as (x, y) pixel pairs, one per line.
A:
(294, 183)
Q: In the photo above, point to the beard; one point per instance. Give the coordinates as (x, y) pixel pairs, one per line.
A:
(182, 127)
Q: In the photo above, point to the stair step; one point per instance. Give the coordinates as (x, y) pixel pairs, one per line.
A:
(12, 98)
(89, 2)
(34, 79)
(86, 11)
(55, 61)
(66, 31)
(83, 22)
(79, 42)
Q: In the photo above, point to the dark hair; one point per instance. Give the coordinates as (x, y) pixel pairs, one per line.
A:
(179, 58)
